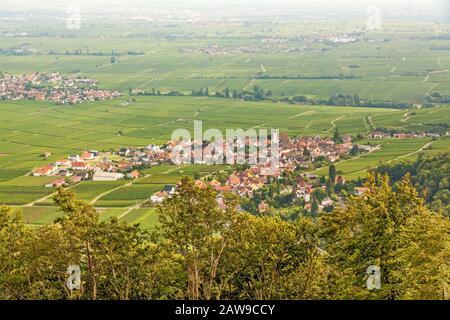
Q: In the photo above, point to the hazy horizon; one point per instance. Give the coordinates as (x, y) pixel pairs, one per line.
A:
(343, 9)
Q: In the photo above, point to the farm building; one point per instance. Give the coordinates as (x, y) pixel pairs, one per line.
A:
(107, 176)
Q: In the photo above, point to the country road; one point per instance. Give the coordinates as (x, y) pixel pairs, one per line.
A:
(109, 191)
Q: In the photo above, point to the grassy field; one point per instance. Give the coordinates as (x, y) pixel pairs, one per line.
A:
(38, 216)
(391, 150)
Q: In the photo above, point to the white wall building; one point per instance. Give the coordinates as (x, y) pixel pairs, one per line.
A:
(107, 176)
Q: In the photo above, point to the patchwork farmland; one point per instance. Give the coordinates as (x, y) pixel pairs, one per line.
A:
(29, 129)
(401, 67)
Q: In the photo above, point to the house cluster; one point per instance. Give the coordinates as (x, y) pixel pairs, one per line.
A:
(17, 51)
(400, 135)
(52, 87)
(336, 38)
(230, 150)
(302, 151)
(297, 152)
(261, 49)
(112, 166)
(244, 183)
(150, 155)
(90, 165)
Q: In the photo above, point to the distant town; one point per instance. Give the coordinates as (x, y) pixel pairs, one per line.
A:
(55, 87)
(279, 45)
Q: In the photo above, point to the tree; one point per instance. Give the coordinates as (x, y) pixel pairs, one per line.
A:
(319, 194)
(274, 259)
(336, 136)
(394, 231)
(116, 260)
(14, 239)
(258, 93)
(197, 229)
(315, 208)
(332, 173)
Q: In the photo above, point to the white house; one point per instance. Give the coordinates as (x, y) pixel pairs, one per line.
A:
(48, 170)
(158, 197)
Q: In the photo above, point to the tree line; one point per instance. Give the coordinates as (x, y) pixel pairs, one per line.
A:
(259, 94)
(209, 249)
(430, 175)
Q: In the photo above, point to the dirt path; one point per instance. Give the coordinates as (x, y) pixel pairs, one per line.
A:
(370, 121)
(433, 87)
(117, 188)
(301, 114)
(376, 148)
(110, 191)
(399, 157)
(248, 85)
(137, 206)
(434, 72)
(40, 200)
(290, 118)
(406, 117)
(333, 123)
(411, 153)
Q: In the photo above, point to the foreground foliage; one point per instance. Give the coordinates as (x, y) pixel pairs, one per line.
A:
(206, 248)
(429, 175)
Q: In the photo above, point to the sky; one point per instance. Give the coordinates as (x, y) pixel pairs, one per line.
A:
(434, 9)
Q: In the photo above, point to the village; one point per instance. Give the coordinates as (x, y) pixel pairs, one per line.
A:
(279, 44)
(52, 87)
(296, 155)
(299, 155)
(214, 49)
